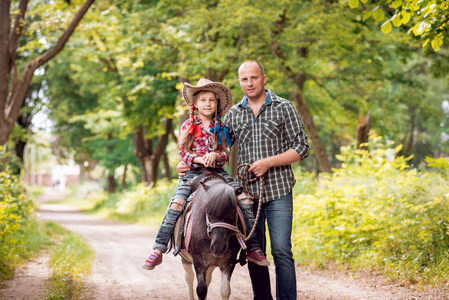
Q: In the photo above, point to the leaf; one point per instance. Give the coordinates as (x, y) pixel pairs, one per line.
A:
(396, 3)
(378, 14)
(367, 15)
(353, 3)
(397, 20)
(405, 17)
(437, 42)
(386, 27)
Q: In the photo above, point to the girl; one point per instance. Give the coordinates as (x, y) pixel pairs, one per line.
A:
(204, 143)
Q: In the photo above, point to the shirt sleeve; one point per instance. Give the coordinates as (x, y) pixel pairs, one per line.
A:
(296, 135)
(224, 158)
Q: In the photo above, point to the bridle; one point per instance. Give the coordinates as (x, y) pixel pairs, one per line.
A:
(240, 236)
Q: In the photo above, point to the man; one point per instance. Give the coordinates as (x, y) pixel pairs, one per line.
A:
(270, 136)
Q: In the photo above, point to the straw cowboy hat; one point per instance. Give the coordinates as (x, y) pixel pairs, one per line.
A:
(222, 91)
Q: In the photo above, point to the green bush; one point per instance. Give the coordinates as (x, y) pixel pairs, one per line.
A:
(145, 199)
(377, 213)
(15, 210)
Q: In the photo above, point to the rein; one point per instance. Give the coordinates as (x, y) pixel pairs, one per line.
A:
(246, 181)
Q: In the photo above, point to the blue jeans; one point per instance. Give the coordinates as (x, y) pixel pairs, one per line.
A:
(279, 216)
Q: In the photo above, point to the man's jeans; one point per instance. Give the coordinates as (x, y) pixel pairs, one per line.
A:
(279, 217)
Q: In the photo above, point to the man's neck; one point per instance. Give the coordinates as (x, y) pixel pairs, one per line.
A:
(259, 100)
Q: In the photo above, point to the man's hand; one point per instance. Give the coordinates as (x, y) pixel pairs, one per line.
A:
(260, 167)
(182, 168)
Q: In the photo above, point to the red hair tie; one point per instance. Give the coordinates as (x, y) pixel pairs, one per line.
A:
(194, 129)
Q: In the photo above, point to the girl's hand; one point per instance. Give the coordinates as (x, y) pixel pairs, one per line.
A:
(209, 160)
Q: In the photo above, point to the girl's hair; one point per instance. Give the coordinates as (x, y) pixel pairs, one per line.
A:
(187, 139)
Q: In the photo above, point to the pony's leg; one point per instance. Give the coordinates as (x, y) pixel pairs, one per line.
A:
(225, 287)
(201, 277)
(209, 275)
(189, 276)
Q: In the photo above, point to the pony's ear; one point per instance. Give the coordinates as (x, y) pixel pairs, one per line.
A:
(238, 191)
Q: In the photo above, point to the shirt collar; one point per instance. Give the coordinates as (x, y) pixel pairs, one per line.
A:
(267, 99)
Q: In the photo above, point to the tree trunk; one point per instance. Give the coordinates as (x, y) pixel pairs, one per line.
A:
(409, 138)
(167, 167)
(312, 131)
(124, 184)
(111, 183)
(363, 128)
(11, 103)
(149, 158)
(111, 179)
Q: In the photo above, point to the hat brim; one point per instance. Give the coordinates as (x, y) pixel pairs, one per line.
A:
(222, 91)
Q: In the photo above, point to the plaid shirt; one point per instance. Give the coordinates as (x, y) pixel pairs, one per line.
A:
(201, 146)
(276, 129)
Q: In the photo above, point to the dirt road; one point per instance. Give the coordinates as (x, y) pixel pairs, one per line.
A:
(121, 249)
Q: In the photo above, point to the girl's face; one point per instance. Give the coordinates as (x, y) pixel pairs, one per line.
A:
(206, 103)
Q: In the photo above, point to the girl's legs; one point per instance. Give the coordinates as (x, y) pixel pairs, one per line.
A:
(172, 214)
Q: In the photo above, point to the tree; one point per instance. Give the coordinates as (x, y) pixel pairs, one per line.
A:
(13, 85)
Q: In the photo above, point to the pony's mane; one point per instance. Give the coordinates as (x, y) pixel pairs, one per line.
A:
(221, 199)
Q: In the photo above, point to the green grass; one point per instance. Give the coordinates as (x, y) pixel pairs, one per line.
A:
(30, 239)
(71, 260)
(34, 191)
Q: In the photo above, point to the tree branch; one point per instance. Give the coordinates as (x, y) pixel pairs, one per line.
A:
(16, 31)
(4, 56)
(13, 109)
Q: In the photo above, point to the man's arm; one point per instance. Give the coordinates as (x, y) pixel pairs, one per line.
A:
(297, 139)
(182, 168)
(261, 166)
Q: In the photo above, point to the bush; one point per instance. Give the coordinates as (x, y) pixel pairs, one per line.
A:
(378, 213)
(144, 199)
(15, 210)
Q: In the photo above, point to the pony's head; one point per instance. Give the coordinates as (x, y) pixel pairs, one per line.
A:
(221, 208)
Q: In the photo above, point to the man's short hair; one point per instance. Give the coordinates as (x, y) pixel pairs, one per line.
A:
(257, 63)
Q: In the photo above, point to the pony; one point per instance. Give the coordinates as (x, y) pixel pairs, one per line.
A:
(212, 236)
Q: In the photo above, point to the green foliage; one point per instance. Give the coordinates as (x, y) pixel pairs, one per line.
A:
(22, 244)
(15, 210)
(375, 212)
(439, 163)
(71, 261)
(143, 203)
(427, 19)
(147, 199)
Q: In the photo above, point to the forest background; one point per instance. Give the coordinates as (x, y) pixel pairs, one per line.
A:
(369, 79)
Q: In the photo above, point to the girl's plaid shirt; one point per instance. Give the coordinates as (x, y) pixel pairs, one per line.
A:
(201, 145)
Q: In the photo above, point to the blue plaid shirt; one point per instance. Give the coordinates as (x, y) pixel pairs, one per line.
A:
(277, 128)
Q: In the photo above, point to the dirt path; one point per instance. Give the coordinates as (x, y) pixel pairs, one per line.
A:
(121, 249)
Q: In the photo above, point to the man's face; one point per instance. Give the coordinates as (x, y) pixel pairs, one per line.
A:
(251, 80)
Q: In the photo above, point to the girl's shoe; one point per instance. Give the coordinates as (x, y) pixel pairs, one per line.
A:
(152, 261)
